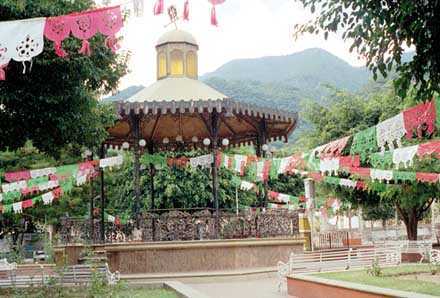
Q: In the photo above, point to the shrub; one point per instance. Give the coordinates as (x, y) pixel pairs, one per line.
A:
(375, 269)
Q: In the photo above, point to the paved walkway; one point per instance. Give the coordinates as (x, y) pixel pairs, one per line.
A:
(241, 288)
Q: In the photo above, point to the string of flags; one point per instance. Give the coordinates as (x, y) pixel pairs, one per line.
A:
(82, 168)
(264, 169)
(417, 121)
(283, 198)
(46, 198)
(277, 200)
(281, 206)
(248, 186)
(117, 220)
(22, 40)
(59, 180)
(84, 25)
(159, 8)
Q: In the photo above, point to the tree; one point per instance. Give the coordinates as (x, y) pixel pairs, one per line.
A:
(380, 31)
(55, 103)
(175, 187)
(29, 157)
(411, 199)
(352, 113)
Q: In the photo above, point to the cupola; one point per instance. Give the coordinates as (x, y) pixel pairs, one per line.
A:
(177, 55)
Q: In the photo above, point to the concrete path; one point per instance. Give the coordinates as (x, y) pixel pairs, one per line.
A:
(240, 288)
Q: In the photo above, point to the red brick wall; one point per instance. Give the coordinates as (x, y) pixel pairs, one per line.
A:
(307, 289)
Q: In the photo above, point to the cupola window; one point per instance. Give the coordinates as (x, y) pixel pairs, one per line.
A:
(176, 58)
(191, 65)
(162, 65)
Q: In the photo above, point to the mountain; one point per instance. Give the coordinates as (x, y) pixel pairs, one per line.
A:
(308, 72)
(124, 94)
(263, 94)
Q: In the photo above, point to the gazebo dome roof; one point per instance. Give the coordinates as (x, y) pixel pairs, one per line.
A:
(176, 89)
(176, 36)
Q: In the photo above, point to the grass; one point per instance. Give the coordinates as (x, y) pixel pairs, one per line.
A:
(389, 279)
(76, 293)
(144, 293)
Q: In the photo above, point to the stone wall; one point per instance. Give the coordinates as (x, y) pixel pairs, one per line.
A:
(192, 256)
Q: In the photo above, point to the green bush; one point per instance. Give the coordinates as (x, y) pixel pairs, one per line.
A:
(375, 269)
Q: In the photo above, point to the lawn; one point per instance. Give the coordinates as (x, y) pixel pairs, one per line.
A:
(144, 293)
(76, 293)
(390, 279)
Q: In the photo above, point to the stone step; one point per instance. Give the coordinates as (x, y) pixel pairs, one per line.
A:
(201, 276)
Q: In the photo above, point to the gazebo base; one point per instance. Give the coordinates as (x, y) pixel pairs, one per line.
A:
(189, 256)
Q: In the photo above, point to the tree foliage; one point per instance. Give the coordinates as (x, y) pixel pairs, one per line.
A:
(351, 113)
(54, 103)
(380, 31)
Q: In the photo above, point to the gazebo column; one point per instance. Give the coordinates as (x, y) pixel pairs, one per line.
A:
(262, 140)
(152, 174)
(215, 123)
(136, 166)
(102, 155)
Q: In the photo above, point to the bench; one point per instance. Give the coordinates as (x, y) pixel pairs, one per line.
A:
(69, 275)
(423, 248)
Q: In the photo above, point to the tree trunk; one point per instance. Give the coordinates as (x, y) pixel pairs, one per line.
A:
(411, 227)
(412, 216)
(410, 220)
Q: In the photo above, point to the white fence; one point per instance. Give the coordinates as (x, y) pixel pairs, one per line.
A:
(387, 253)
(338, 260)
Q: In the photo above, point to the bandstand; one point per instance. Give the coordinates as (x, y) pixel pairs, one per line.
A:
(180, 112)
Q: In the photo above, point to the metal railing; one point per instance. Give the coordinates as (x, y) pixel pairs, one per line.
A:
(330, 240)
(180, 226)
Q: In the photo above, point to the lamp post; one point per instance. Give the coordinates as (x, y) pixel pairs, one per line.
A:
(142, 144)
(264, 199)
(309, 187)
(102, 155)
(88, 156)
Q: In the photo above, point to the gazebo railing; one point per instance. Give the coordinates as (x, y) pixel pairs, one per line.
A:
(179, 225)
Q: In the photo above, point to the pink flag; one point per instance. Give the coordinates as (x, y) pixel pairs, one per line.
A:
(186, 11)
(57, 29)
(158, 7)
(17, 176)
(214, 20)
(109, 22)
(2, 72)
(419, 116)
(83, 26)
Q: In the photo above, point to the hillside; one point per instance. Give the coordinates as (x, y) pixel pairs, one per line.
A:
(124, 94)
(308, 72)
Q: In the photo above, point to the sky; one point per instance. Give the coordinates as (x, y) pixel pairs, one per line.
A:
(247, 29)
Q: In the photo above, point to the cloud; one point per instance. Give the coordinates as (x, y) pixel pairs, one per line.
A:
(247, 29)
